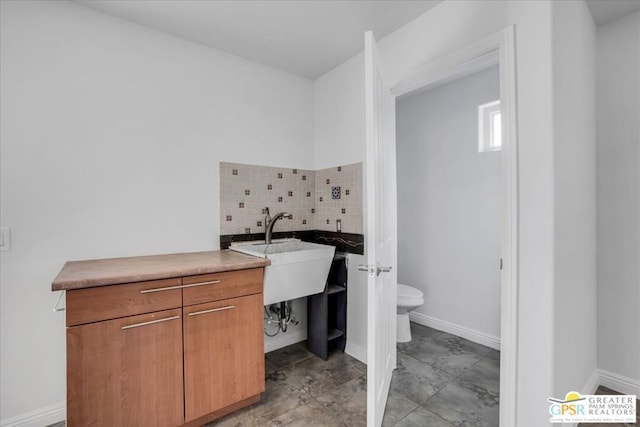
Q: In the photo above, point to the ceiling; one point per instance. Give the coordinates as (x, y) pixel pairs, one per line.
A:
(605, 11)
(303, 37)
(307, 38)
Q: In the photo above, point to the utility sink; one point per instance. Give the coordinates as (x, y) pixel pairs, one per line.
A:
(297, 269)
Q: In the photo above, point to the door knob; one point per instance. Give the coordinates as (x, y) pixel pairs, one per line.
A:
(383, 269)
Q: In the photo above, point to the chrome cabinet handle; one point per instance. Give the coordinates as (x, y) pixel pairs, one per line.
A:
(168, 288)
(195, 313)
(150, 322)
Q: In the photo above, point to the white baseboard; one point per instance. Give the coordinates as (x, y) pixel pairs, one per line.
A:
(356, 351)
(592, 383)
(611, 380)
(41, 417)
(284, 339)
(619, 383)
(461, 331)
(589, 387)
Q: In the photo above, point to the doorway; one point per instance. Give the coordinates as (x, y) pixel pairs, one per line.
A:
(449, 247)
(497, 48)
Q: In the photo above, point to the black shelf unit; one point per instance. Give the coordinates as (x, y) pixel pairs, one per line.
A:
(327, 312)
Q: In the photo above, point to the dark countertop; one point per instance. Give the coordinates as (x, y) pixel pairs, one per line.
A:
(112, 271)
(344, 242)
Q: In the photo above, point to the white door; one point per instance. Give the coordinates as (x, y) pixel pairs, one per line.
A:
(381, 235)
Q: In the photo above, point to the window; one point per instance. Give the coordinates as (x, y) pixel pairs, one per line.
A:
(489, 127)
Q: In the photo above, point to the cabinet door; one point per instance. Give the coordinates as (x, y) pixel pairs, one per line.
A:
(223, 353)
(126, 372)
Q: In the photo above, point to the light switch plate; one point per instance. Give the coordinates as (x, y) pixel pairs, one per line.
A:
(5, 239)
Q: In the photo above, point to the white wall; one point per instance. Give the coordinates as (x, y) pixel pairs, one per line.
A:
(575, 195)
(339, 133)
(112, 133)
(618, 190)
(110, 142)
(447, 27)
(338, 115)
(450, 204)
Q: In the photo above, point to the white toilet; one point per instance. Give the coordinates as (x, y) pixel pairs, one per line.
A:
(409, 298)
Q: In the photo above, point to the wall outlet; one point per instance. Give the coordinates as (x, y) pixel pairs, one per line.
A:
(5, 239)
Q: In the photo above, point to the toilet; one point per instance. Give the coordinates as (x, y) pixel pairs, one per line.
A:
(409, 298)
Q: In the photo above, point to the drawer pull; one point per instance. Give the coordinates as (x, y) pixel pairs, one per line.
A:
(213, 282)
(195, 313)
(151, 322)
(168, 288)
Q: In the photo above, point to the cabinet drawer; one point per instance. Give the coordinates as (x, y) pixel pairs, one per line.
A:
(110, 302)
(219, 286)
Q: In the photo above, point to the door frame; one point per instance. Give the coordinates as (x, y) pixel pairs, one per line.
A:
(498, 48)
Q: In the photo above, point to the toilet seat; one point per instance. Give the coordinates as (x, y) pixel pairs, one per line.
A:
(409, 296)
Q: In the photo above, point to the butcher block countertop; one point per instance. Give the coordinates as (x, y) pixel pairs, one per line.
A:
(112, 271)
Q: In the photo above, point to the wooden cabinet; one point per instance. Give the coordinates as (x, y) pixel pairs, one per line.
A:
(110, 302)
(221, 286)
(223, 354)
(164, 352)
(126, 372)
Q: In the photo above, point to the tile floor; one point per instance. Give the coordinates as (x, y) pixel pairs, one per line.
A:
(441, 381)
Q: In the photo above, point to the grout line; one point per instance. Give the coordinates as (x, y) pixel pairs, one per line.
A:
(454, 377)
(439, 416)
(400, 420)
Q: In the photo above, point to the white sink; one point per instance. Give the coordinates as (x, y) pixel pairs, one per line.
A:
(297, 269)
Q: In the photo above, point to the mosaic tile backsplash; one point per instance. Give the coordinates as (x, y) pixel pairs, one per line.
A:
(339, 197)
(318, 200)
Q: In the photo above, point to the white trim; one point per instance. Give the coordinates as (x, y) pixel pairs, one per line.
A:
(458, 330)
(455, 65)
(619, 383)
(284, 339)
(611, 380)
(469, 60)
(356, 351)
(510, 279)
(40, 417)
(592, 383)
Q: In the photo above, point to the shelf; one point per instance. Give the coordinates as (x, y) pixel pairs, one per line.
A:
(332, 289)
(327, 313)
(334, 333)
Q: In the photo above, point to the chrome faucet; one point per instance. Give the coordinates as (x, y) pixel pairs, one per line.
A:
(271, 222)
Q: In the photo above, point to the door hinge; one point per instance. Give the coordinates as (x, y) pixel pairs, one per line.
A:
(500, 263)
